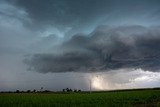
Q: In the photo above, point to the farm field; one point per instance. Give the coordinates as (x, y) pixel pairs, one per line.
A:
(124, 98)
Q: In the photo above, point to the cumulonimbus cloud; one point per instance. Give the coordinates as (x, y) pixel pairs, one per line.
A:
(103, 49)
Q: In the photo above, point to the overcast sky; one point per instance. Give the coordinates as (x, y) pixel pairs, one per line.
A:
(57, 44)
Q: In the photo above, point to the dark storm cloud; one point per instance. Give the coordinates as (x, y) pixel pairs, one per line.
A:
(63, 12)
(105, 48)
(82, 14)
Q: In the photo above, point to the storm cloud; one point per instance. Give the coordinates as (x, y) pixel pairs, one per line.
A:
(61, 43)
(104, 49)
(72, 16)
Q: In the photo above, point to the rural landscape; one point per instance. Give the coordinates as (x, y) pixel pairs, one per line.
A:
(114, 98)
(79, 53)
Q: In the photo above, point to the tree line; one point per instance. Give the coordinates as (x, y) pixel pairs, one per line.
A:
(42, 91)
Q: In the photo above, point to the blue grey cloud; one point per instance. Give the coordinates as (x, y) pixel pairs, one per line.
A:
(84, 15)
(104, 49)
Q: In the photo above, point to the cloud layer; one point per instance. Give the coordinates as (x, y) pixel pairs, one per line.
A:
(105, 48)
(57, 37)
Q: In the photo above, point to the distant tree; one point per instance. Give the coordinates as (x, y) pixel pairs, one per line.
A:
(28, 91)
(70, 90)
(75, 90)
(64, 90)
(34, 90)
(17, 91)
(79, 90)
(67, 89)
(46, 91)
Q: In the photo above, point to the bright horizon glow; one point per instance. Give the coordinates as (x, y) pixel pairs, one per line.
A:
(120, 79)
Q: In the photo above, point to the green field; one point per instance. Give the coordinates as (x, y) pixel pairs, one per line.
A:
(127, 98)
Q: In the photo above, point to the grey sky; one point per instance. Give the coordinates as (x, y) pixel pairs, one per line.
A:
(73, 39)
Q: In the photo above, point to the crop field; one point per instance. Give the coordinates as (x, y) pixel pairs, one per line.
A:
(125, 98)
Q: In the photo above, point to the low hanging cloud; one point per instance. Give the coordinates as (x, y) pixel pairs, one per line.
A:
(104, 49)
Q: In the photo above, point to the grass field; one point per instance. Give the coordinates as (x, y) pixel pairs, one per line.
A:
(127, 98)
